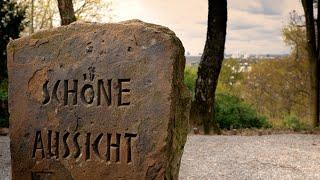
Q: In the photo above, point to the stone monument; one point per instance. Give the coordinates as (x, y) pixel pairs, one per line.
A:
(100, 101)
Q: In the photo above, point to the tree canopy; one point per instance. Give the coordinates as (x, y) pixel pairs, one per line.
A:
(11, 24)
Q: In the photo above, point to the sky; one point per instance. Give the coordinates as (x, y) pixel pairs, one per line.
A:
(254, 26)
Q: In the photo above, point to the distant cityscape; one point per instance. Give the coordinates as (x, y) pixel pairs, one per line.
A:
(196, 59)
(245, 59)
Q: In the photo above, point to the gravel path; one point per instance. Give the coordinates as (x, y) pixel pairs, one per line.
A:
(251, 157)
(236, 157)
(5, 164)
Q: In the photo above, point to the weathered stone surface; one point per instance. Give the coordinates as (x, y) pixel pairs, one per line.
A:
(102, 101)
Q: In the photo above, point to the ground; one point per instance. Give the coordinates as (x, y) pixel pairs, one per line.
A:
(4, 158)
(287, 156)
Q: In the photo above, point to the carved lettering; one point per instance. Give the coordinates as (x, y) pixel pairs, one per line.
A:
(73, 91)
(38, 141)
(56, 145)
(55, 90)
(101, 89)
(41, 175)
(45, 93)
(89, 93)
(96, 143)
(76, 144)
(88, 146)
(115, 146)
(73, 150)
(129, 136)
(65, 144)
(121, 91)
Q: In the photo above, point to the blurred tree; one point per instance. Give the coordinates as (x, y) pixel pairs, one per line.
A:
(312, 36)
(66, 11)
(190, 77)
(93, 10)
(45, 13)
(278, 87)
(12, 17)
(11, 23)
(294, 35)
(230, 77)
(202, 109)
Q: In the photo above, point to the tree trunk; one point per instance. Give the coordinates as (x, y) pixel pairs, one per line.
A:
(314, 94)
(31, 17)
(66, 12)
(202, 110)
(313, 56)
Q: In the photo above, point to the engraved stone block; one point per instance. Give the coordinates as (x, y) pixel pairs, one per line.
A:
(100, 101)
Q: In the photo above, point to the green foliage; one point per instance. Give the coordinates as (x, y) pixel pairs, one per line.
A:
(190, 77)
(11, 23)
(294, 123)
(4, 116)
(4, 122)
(233, 113)
(230, 77)
(230, 111)
(4, 90)
(277, 87)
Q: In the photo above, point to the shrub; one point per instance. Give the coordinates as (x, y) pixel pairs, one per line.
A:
(4, 116)
(12, 17)
(4, 122)
(190, 77)
(12, 22)
(230, 111)
(3, 90)
(294, 123)
(233, 113)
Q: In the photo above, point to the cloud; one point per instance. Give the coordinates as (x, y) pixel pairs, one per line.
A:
(254, 26)
(242, 26)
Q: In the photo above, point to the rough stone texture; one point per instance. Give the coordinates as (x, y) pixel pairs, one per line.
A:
(129, 118)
